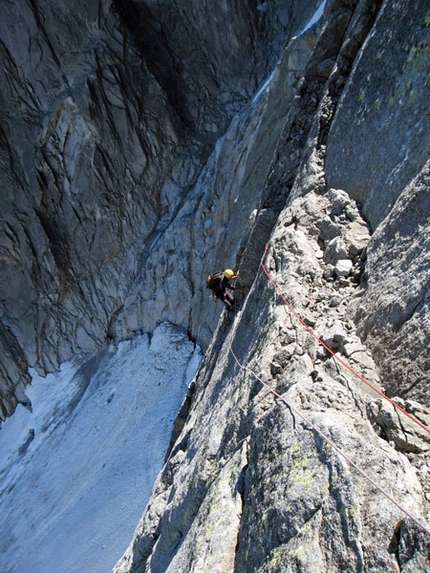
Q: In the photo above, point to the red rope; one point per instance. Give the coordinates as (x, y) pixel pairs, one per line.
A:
(335, 356)
(332, 444)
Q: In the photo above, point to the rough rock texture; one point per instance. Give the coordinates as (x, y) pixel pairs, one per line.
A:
(79, 170)
(104, 134)
(384, 123)
(208, 227)
(250, 484)
(381, 160)
(146, 159)
(396, 324)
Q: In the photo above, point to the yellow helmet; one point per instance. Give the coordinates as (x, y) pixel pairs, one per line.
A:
(228, 273)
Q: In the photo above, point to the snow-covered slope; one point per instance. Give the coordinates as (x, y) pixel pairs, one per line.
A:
(77, 472)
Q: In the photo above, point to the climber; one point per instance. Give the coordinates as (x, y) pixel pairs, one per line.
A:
(221, 286)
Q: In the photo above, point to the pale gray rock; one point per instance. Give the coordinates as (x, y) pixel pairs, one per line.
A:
(208, 228)
(265, 458)
(343, 267)
(303, 507)
(397, 321)
(335, 251)
(407, 436)
(383, 109)
(138, 155)
(110, 111)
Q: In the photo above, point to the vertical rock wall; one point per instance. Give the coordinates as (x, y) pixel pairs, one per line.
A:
(377, 142)
(252, 483)
(109, 112)
(131, 170)
(80, 178)
(378, 152)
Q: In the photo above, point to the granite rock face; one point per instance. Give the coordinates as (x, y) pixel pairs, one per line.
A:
(108, 118)
(255, 480)
(396, 324)
(383, 124)
(264, 482)
(148, 158)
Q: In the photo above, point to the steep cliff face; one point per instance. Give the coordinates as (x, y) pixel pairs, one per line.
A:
(378, 152)
(79, 168)
(321, 475)
(146, 159)
(109, 112)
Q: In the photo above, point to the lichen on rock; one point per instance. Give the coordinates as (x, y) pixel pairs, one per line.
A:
(146, 144)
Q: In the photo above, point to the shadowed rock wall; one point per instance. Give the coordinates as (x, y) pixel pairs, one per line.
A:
(80, 178)
(377, 143)
(378, 151)
(109, 112)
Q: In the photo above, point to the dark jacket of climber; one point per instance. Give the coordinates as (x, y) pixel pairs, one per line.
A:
(219, 283)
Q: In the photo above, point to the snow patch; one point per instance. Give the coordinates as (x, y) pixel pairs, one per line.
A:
(263, 88)
(76, 474)
(315, 18)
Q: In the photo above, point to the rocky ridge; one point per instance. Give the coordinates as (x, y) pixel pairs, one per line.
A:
(248, 485)
(242, 453)
(310, 166)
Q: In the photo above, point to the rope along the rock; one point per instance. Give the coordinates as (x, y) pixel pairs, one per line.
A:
(335, 356)
(329, 441)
